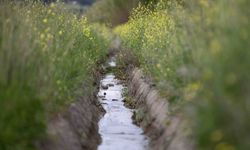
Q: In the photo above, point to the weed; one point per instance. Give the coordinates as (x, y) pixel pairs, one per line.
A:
(46, 53)
(197, 53)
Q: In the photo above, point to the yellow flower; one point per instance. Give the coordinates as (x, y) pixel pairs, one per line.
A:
(52, 5)
(47, 30)
(86, 31)
(42, 36)
(216, 136)
(45, 20)
(49, 36)
(204, 3)
(60, 32)
(191, 91)
(224, 146)
(58, 82)
(158, 65)
(49, 11)
(215, 47)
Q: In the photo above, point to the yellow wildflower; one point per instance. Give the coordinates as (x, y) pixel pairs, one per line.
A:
(60, 32)
(216, 136)
(224, 146)
(45, 20)
(204, 3)
(49, 11)
(215, 47)
(42, 36)
(158, 65)
(52, 5)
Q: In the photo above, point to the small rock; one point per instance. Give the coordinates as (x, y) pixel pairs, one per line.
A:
(114, 99)
(104, 86)
(101, 96)
(122, 133)
(111, 85)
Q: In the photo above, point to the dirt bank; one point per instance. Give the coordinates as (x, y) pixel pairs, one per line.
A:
(77, 127)
(167, 132)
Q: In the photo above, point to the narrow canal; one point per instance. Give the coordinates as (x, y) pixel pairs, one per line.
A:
(116, 127)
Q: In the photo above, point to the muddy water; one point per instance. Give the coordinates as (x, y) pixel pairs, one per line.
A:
(116, 127)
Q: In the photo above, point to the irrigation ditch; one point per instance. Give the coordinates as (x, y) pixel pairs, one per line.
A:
(124, 111)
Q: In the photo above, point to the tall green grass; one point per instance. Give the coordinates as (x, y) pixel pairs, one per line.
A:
(111, 12)
(46, 53)
(198, 54)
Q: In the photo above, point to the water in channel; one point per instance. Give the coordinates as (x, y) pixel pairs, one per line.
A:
(116, 127)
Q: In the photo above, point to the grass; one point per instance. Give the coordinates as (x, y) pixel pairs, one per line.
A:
(111, 12)
(197, 53)
(46, 53)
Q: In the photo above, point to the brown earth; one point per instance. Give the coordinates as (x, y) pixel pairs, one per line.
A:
(77, 127)
(167, 132)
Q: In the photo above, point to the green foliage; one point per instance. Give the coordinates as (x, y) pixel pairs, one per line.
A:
(22, 118)
(111, 12)
(197, 53)
(46, 53)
